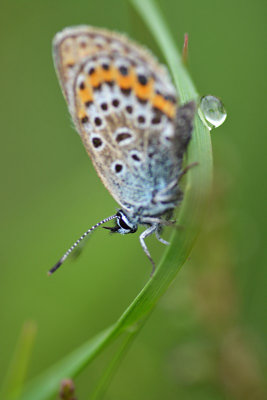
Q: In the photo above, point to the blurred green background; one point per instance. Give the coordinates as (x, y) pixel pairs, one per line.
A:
(206, 338)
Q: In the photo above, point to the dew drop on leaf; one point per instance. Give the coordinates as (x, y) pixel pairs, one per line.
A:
(212, 111)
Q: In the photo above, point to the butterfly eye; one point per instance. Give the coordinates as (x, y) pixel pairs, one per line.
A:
(124, 225)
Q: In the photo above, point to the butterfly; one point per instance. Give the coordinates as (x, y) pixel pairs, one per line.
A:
(125, 109)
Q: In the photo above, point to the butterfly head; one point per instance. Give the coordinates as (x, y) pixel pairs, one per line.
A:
(123, 225)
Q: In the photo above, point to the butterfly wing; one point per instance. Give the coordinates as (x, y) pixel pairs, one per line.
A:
(124, 107)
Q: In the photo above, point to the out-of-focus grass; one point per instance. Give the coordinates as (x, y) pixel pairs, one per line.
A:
(16, 373)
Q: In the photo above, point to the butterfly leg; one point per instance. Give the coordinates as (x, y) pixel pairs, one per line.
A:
(152, 220)
(160, 238)
(142, 237)
(186, 169)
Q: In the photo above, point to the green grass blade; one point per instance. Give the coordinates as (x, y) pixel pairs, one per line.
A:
(110, 370)
(48, 383)
(17, 370)
(192, 212)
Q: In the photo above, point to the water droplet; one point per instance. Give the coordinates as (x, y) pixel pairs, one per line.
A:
(212, 111)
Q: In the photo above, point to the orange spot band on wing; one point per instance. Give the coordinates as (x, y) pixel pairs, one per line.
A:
(95, 78)
(125, 81)
(164, 105)
(81, 113)
(144, 92)
(170, 110)
(85, 95)
(108, 75)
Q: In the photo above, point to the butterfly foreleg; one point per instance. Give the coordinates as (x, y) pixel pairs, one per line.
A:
(149, 231)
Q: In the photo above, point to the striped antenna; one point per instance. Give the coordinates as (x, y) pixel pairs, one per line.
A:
(63, 258)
